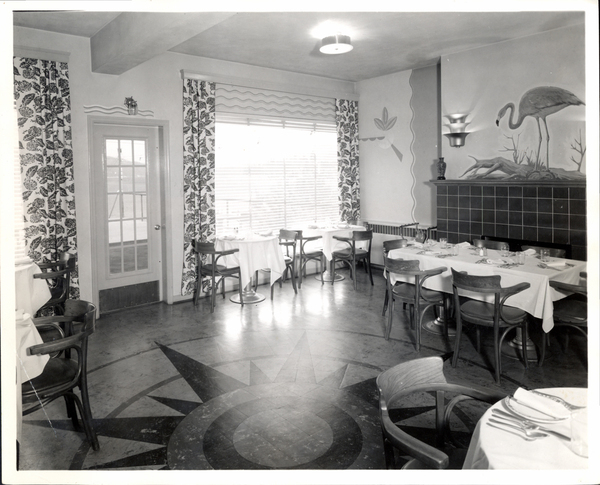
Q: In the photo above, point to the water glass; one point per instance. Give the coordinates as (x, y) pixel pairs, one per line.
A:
(443, 242)
(579, 432)
(521, 257)
(544, 255)
(482, 251)
(455, 250)
(504, 250)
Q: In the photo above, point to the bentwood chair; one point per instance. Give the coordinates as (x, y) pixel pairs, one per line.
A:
(387, 247)
(353, 253)
(497, 315)
(438, 437)
(308, 252)
(288, 241)
(414, 294)
(57, 275)
(552, 252)
(207, 264)
(67, 368)
(572, 311)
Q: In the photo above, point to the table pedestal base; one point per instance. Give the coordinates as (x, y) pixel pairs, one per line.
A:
(327, 277)
(436, 326)
(249, 295)
(513, 349)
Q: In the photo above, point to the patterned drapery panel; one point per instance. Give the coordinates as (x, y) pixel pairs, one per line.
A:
(346, 119)
(198, 173)
(43, 103)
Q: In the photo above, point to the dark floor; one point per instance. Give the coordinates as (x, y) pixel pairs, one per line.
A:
(282, 384)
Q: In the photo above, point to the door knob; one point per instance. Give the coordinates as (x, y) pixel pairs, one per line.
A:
(157, 227)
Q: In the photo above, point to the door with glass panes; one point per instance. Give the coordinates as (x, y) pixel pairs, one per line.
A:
(127, 215)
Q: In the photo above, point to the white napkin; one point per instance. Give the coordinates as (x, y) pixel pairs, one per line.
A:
(464, 244)
(556, 264)
(541, 403)
(530, 252)
(416, 244)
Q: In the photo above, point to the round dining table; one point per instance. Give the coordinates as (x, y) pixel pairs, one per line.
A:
(497, 449)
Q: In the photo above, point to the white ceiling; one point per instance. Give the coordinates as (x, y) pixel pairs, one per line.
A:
(384, 42)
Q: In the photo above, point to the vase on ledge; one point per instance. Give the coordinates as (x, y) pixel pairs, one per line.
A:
(441, 169)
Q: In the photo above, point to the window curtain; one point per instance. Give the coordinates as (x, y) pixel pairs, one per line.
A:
(346, 119)
(43, 103)
(198, 173)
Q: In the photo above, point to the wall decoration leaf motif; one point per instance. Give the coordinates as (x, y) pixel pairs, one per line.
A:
(384, 123)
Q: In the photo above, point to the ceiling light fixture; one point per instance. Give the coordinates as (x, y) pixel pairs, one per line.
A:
(336, 44)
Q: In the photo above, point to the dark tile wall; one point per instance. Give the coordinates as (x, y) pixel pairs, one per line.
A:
(543, 212)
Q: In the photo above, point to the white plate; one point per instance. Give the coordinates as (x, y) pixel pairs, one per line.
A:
(528, 413)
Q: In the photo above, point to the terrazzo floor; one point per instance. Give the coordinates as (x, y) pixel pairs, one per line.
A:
(287, 383)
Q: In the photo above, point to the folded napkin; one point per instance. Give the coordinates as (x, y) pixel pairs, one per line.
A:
(556, 264)
(464, 245)
(541, 403)
(416, 244)
(529, 252)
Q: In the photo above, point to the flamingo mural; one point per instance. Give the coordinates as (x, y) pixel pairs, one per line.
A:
(539, 103)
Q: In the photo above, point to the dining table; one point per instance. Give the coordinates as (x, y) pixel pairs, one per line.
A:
(506, 448)
(256, 252)
(537, 300)
(30, 295)
(328, 244)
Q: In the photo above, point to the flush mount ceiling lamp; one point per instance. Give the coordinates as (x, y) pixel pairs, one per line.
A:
(336, 44)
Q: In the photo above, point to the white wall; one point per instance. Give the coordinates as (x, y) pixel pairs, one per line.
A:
(156, 85)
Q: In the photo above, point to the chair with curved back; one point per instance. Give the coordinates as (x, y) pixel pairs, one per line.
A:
(571, 311)
(217, 272)
(552, 252)
(288, 241)
(308, 252)
(67, 368)
(421, 382)
(497, 315)
(387, 247)
(488, 243)
(57, 275)
(414, 294)
(353, 253)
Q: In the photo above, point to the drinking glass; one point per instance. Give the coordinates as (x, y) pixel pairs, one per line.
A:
(443, 242)
(455, 250)
(504, 250)
(521, 257)
(482, 251)
(544, 255)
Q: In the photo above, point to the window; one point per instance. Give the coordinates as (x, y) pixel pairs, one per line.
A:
(272, 174)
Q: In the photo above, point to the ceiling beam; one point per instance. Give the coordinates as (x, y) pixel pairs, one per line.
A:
(133, 37)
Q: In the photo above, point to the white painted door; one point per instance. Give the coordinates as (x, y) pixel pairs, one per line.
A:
(127, 206)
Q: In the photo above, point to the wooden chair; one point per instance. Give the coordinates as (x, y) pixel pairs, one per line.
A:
(217, 272)
(57, 275)
(353, 254)
(552, 252)
(418, 298)
(67, 369)
(487, 243)
(387, 247)
(308, 252)
(572, 311)
(495, 315)
(421, 381)
(288, 240)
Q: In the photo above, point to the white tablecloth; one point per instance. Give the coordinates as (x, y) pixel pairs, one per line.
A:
(495, 449)
(329, 244)
(536, 300)
(31, 293)
(255, 253)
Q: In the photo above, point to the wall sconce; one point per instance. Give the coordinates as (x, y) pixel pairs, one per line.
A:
(457, 126)
(131, 105)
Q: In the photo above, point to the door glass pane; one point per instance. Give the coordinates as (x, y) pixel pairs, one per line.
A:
(141, 230)
(112, 179)
(142, 256)
(114, 255)
(128, 234)
(112, 152)
(114, 232)
(129, 259)
(114, 207)
(141, 206)
(127, 206)
(140, 179)
(126, 179)
(126, 154)
(139, 152)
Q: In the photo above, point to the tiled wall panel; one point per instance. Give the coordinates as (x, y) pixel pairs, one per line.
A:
(541, 211)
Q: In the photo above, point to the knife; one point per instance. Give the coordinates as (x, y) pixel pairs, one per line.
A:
(533, 426)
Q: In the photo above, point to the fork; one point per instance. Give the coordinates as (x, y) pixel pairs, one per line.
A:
(526, 434)
(526, 424)
(568, 405)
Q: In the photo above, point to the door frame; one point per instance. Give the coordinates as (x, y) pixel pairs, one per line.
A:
(166, 282)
